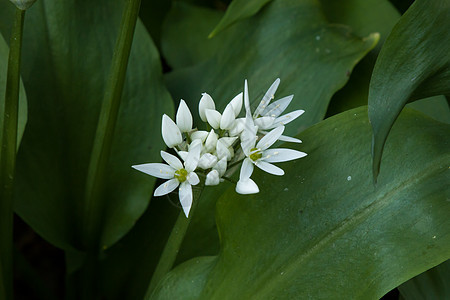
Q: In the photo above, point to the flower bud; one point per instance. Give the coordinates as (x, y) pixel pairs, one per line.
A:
(236, 103)
(184, 117)
(212, 178)
(226, 122)
(211, 141)
(206, 102)
(207, 161)
(170, 132)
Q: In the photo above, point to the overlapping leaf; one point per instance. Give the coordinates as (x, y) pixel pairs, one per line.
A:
(238, 10)
(433, 284)
(68, 49)
(324, 229)
(413, 64)
(286, 39)
(22, 96)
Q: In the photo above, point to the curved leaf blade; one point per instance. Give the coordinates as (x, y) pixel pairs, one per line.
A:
(73, 62)
(413, 64)
(22, 120)
(288, 39)
(433, 284)
(238, 10)
(323, 229)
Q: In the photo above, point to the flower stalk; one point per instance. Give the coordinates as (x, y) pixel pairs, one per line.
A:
(94, 205)
(8, 155)
(172, 247)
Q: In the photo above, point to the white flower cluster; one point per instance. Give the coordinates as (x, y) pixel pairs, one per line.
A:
(230, 140)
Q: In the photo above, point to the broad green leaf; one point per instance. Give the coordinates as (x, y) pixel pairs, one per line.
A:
(433, 284)
(22, 96)
(186, 27)
(238, 10)
(323, 230)
(66, 62)
(435, 107)
(287, 39)
(364, 17)
(413, 64)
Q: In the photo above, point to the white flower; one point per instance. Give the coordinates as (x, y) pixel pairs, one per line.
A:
(177, 173)
(207, 161)
(211, 141)
(170, 132)
(225, 121)
(184, 117)
(262, 157)
(267, 116)
(212, 178)
(206, 102)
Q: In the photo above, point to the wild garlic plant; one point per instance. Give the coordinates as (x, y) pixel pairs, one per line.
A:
(230, 141)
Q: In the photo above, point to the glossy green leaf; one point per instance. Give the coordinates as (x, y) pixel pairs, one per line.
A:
(413, 64)
(22, 96)
(287, 39)
(364, 17)
(435, 107)
(238, 10)
(323, 230)
(65, 69)
(433, 284)
(186, 28)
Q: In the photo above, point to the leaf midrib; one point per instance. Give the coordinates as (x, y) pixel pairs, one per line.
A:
(355, 219)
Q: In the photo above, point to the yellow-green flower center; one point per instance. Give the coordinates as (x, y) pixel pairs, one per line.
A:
(255, 154)
(181, 175)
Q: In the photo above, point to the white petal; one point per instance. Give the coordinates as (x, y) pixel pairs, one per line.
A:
(212, 178)
(207, 161)
(264, 122)
(248, 113)
(192, 178)
(183, 155)
(270, 138)
(227, 119)
(185, 194)
(275, 109)
(193, 156)
(166, 187)
(170, 132)
(156, 169)
(236, 103)
(269, 168)
(199, 135)
(278, 155)
(172, 160)
(290, 139)
(213, 117)
(221, 166)
(270, 94)
(184, 117)
(222, 150)
(247, 186)
(289, 117)
(238, 126)
(246, 169)
(211, 141)
(228, 141)
(206, 102)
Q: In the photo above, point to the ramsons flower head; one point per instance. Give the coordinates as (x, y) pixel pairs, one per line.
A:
(207, 157)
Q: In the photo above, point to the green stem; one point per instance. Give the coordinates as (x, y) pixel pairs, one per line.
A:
(94, 204)
(173, 244)
(8, 155)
